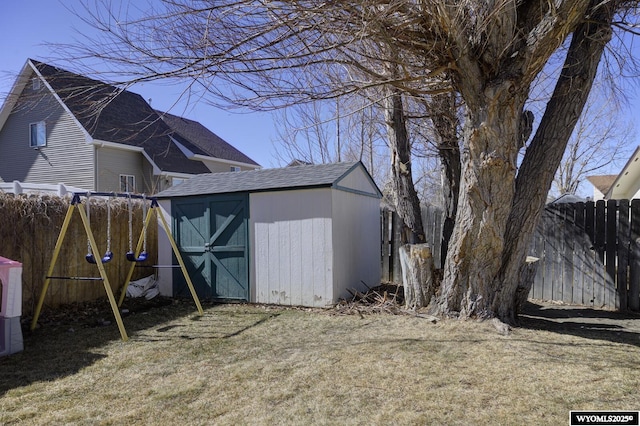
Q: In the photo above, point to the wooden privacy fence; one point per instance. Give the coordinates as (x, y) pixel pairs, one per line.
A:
(29, 228)
(589, 252)
(432, 221)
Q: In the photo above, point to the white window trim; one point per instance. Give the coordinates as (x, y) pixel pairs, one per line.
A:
(235, 169)
(41, 130)
(127, 188)
(35, 83)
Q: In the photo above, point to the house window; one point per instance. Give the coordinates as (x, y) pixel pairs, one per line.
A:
(235, 168)
(127, 183)
(35, 83)
(37, 134)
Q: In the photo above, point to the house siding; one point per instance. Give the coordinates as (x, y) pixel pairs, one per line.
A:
(113, 162)
(221, 167)
(67, 157)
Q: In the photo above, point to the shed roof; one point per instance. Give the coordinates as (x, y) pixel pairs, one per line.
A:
(298, 177)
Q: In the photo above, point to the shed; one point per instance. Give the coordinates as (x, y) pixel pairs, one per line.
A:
(298, 236)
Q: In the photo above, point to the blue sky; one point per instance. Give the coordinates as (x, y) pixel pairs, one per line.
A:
(25, 25)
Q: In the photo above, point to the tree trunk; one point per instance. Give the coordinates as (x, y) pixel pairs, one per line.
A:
(525, 281)
(405, 198)
(417, 275)
(486, 194)
(444, 116)
(545, 153)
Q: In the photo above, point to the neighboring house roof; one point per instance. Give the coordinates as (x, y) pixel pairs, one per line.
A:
(295, 162)
(298, 177)
(113, 115)
(602, 182)
(203, 140)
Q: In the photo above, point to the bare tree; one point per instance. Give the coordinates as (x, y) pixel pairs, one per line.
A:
(599, 141)
(270, 54)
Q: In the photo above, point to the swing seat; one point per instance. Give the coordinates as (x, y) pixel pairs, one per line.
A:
(105, 259)
(131, 256)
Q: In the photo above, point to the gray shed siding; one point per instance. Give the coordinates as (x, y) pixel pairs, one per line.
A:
(291, 247)
(356, 241)
(67, 158)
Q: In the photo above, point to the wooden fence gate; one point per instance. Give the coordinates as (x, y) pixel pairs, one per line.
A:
(589, 252)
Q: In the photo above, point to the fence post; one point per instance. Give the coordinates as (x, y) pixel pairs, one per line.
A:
(396, 242)
(385, 244)
(634, 258)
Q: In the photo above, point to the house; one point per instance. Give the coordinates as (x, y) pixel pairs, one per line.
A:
(623, 186)
(299, 236)
(61, 127)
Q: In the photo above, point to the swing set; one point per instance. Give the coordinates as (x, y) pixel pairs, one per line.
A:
(131, 256)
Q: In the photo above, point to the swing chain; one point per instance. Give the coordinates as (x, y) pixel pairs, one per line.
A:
(144, 222)
(108, 226)
(130, 224)
(88, 211)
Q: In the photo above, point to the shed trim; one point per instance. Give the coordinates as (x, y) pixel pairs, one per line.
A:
(355, 191)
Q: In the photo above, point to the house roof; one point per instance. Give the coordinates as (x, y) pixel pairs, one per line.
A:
(203, 141)
(626, 183)
(297, 177)
(602, 182)
(110, 114)
(114, 115)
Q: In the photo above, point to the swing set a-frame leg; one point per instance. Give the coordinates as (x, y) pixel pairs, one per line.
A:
(176, 252)
(103, 273)
(52, 264)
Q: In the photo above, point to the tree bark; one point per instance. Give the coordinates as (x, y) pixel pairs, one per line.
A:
(545, 152)
(405, 198)
(445, 122)
(486, 193)
(525, 281)
(417, 275)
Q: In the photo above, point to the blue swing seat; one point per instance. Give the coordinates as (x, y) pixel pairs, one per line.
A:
(131, 256)
(105, 259)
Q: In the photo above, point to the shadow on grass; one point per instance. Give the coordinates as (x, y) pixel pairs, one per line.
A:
(69, 338)
(613, 326)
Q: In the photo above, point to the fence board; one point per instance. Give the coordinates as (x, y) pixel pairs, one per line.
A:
(578, 253)
(385, 232)
(396, 271)
(623, 254)
(590, 256)
(549, 255)
(634, 258)
(567, 257)
(611, 240)
(600, 278)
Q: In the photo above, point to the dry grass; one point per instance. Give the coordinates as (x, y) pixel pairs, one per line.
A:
(241, 364)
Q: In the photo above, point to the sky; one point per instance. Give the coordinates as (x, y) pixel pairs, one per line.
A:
(25, 27)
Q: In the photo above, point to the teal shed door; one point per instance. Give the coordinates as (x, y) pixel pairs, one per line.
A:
(212, 235)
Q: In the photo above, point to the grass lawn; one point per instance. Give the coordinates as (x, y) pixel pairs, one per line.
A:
(244, 364)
